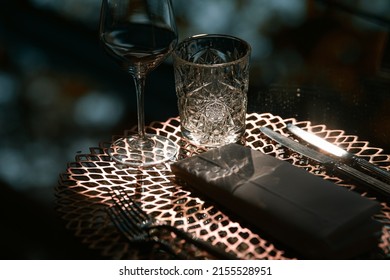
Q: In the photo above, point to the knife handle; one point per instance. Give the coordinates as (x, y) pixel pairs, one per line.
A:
(361, 177)
(381, 173)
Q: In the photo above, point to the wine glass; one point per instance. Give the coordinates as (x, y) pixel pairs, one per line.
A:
(139, 35)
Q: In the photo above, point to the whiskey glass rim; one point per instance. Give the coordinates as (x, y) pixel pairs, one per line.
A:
(244, 57)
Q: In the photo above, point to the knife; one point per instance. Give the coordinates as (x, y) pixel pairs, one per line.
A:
(338, 152)
(331, 166)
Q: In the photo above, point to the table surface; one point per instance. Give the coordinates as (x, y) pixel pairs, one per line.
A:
(83, 194)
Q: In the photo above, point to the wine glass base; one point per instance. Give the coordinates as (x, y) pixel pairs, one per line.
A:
(136, 152)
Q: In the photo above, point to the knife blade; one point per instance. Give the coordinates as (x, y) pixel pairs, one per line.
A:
(332, 166)
(341, 154)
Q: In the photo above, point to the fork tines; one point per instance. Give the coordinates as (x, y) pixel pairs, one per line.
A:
(134, 216)
(120, 219)
(137, 216)
(129, 223)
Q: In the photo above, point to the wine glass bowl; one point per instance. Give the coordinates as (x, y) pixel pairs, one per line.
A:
(139, 35)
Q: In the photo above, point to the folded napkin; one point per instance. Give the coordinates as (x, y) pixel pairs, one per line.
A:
(310, 215)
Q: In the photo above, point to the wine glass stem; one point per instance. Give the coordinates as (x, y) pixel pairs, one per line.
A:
(139, 81)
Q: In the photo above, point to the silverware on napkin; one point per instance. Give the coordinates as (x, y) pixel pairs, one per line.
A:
(339, 153)
(331, 165)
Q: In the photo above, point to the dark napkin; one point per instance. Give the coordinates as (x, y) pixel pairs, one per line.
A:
(313, 216)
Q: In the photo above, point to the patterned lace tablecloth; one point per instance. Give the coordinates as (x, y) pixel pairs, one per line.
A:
(83, 193)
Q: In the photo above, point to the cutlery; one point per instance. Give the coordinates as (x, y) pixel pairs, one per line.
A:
(331, 165)
(135, 215)
(137, 235)
(338, 152)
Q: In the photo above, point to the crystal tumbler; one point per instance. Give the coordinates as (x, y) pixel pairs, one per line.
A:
(211, 78)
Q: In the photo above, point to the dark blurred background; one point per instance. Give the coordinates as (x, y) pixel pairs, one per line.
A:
(323, 61)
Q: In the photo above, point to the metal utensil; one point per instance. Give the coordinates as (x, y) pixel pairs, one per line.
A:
(135, 215)
(329, 163)
(341, 154)
(135, 234)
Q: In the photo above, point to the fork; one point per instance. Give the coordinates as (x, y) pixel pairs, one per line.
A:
(135, 215)
(134, 233)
